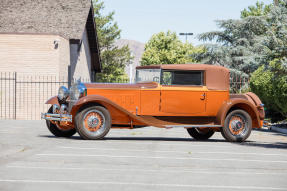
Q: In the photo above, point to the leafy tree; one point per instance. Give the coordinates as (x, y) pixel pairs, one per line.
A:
(247, 43)
(274, 42)
(237, 44)
(258, 10)
(256, 42)
(166, 48)
(270, 80)
(113, 59)
(271, 87)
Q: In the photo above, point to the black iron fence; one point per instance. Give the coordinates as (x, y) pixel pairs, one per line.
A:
(8, 95)
(238, 83)
(23, 96)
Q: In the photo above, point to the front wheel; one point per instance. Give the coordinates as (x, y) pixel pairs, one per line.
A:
(58, 132)
(237, 126)
(93, 123)
(200, 134)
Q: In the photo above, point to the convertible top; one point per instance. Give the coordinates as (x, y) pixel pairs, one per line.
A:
(216, 77)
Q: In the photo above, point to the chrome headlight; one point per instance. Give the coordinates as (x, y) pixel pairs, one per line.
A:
(77, 91)
(63, 93)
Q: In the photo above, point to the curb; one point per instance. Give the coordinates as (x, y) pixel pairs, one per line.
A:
(278, 129)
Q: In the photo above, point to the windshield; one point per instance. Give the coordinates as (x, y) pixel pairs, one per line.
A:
(148, 75)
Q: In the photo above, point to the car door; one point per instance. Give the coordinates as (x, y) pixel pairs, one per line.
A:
(183, 93)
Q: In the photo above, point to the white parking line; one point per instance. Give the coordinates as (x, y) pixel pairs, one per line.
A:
(145, 184)
(182, 152)
(201, 171)
(147, 157)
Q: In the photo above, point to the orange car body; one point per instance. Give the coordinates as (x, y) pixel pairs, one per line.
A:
(168, 105)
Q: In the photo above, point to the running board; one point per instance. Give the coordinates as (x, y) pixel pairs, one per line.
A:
(190, 126)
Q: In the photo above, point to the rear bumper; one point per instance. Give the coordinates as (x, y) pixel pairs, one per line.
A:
(57, 117)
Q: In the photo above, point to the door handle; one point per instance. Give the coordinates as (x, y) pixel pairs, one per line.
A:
(203, 96)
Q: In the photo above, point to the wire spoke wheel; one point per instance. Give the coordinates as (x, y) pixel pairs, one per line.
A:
(57, 130)
(200, 134)
(93, 122)
(237, 126)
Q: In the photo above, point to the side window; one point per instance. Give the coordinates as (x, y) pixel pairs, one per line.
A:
(194, 78)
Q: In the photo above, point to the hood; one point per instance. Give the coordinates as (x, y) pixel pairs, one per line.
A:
(119, 86)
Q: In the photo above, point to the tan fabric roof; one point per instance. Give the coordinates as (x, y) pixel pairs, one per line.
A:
(63, 17)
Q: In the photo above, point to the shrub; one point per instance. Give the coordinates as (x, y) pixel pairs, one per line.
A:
(271, 87)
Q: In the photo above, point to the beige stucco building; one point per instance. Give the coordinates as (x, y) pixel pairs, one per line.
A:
(55, 37)
(44, 41)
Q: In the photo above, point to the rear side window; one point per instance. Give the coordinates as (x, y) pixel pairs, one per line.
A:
(193, 78)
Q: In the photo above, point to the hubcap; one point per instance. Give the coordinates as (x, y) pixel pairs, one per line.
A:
(237, 125)
(94, 120)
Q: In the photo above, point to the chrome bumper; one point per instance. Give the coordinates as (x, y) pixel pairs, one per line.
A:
(57, 117)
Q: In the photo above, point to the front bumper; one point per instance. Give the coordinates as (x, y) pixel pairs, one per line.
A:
(57, 117)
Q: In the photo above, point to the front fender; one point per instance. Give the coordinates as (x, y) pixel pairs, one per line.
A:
(238, 104)
(53, 100)
(111, 106)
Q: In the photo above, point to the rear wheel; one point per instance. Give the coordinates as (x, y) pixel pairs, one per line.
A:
(200, 134)
(93, 123)
(58, 132)
(237, 126)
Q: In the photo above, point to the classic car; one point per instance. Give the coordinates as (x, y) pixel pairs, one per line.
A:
(191, 96)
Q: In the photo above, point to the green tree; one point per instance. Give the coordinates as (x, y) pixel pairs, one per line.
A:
(238, 46)
(270, 80)
(247, 43)
(269, 83)
(113, 59)
(166, 48)
(256, 42)
(258, 10)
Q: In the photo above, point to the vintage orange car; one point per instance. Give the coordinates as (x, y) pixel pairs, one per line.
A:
(191, 96)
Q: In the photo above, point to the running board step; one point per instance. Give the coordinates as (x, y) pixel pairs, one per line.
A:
(190, 126)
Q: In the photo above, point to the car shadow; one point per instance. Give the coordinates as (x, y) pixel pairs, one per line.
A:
(54, 137)
(161, 139)
(172, 139)
(269, 131)
(277, 145)
(248, 143)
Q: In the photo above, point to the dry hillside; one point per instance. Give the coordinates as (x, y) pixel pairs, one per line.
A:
(137, 49)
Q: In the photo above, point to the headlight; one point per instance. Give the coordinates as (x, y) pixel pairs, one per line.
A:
(77, 91)
(63, 93)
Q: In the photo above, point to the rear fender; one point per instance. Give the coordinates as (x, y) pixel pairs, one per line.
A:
(257, 103)
(243, 104)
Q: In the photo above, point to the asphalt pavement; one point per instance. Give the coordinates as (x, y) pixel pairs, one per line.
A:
(31, 159)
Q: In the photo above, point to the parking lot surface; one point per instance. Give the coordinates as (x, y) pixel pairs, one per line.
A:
(140, 159)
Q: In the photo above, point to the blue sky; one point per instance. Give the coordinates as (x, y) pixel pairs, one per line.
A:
(140, 19)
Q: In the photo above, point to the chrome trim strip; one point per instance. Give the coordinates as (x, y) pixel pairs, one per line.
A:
(190, 126)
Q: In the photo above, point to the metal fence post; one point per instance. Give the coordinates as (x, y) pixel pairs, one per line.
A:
(70, 77)
(15, 96)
